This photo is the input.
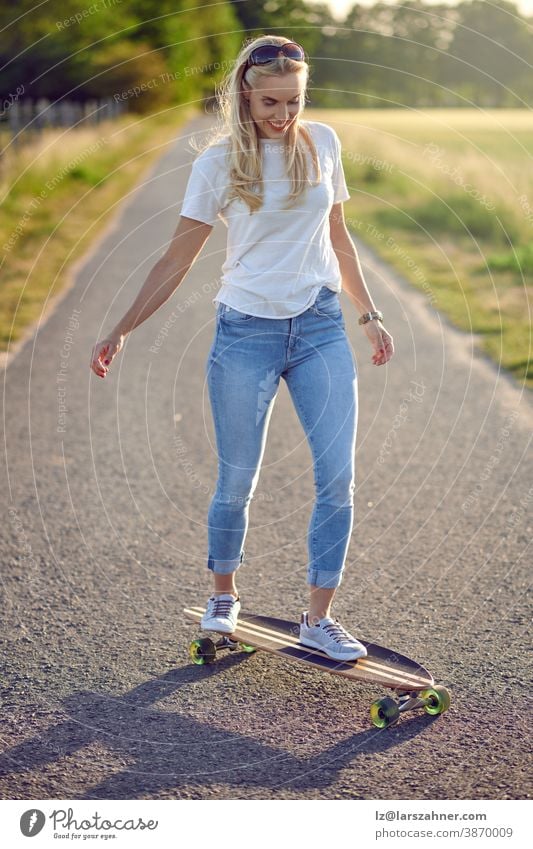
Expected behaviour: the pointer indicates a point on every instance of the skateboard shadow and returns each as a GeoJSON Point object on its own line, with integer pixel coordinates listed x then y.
{"type": "Point", "coordinates": [165, 751]}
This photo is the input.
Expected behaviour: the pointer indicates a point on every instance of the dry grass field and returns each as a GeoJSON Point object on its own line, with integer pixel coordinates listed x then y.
{"type": "Point", "coordinates": [446, 196]}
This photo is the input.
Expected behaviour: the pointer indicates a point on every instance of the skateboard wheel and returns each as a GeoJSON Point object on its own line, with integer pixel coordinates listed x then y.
{"type": "Point", "coordinates": [202, 651]}
{"type": "Point", "coordinates": [384, 712]}
{"type": "Point", "coordinates": [439, 699]}
{"type": "Point", "coordinates": [248, 649]}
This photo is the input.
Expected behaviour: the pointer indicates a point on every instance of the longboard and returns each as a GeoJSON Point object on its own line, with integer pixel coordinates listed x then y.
{"type": "Point", "coordinates": [413, 684]}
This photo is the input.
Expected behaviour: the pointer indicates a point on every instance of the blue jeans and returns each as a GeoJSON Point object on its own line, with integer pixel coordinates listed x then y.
{"type": "Point", "coordinates": [312, 353]}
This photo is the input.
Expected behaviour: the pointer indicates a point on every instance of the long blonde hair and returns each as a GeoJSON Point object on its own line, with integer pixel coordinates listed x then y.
{"type": "Point", "coordinates": [244, 157]}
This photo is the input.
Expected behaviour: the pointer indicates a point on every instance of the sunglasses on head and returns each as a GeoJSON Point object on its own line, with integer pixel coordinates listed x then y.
{"type": "Point", "coordinates": [268, 52]}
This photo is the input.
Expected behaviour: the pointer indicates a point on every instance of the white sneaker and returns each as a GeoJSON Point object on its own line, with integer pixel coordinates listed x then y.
{"type": "Point", "coordinates": [330, 637]}
{"type": "Point", "coordinates": [221, 614]}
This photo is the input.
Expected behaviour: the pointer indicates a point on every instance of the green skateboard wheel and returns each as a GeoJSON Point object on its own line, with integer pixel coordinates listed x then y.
{"type": "Point", "coordinates": [202, 651]}
{"type": "Point", "coordinates": [384, 712]}
{"type": "Point", "coordinates": [439, 699]}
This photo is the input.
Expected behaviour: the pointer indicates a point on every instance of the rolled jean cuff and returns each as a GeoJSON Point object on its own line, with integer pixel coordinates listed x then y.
{"type": "Point", "coordinates": [324, 579]}
{"type": "Point", "coordinates": [224, 567]}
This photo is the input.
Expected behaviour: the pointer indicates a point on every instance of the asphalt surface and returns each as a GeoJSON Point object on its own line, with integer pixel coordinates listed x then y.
{"type": "Point", "coordinates": [104, 541]}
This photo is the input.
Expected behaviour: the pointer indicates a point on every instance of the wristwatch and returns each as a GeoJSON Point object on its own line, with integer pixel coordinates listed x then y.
{"type": "Point", "coordinates": [369, 316]}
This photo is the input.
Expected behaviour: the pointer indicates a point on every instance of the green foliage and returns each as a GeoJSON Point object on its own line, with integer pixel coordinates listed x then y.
{"type": "Point", "coordinates": [519, 260]}
{"type": "Point", "coordinates": [383, 55]}
{"type": "Point", "coordinates": [89, 173]}
{"type": "Point", "coordinates": [491, 49]}
{"type": "Point", "coordinates": [170, 51]}
{"type": "Point", "coordinates": [114, 70]}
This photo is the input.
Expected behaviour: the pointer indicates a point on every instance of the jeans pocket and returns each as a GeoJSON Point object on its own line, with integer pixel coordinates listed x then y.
{"type": "Point", "coordinates": [234, 316]}
{"type": "Point", "coordinates": [327, 303]}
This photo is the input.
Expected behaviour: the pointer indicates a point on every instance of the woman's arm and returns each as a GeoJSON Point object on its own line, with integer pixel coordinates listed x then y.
{"type": "Point", "coordinates": [167, 273]}
{"type": "Point", "coordinates": [162, 281]}
{"type": "Point", "coordinates": [354, 284]}
{"type": "Point", "coordinates": [352, 275]}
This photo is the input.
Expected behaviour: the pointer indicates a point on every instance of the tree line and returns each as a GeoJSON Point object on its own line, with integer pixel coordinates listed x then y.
{"type": "Point", "coordinates": [149, 53]}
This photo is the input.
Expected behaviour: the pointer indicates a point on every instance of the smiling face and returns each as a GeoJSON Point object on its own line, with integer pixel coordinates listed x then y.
{"type": "Point", "coordinates": [275, 103]}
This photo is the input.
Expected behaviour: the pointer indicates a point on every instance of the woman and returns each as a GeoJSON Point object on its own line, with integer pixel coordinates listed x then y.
{"type": "Point", "coordinates": [277, 183]}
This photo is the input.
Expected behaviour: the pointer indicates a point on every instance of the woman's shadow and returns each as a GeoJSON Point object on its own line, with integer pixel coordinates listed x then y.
{"type": "Point", "coordinates": [172, 751]}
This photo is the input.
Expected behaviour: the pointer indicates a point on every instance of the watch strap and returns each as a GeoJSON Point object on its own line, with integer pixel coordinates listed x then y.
{"type": "Point", "coordinates": [371, 316]}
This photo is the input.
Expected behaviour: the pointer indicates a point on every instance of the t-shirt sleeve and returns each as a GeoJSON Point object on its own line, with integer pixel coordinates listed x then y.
{"type": "Point", "coordinates": [202, 197]}
{"type": "Point", "coordinates": [338, 179]}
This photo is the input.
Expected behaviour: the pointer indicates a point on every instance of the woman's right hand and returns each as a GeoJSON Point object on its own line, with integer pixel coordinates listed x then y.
{"type": "Point", "coordinates": [104, 353]}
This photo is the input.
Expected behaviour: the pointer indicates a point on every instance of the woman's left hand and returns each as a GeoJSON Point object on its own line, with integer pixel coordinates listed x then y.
{"type": "Point", "coordinates": [381, 342]}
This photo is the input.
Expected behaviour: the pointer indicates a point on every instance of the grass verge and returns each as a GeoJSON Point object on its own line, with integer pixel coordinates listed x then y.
{"type": "Point", "coordinates": [43, 222]}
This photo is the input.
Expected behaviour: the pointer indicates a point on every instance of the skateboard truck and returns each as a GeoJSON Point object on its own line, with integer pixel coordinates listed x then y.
{"type": "Point", "coordinates": [205, 649]}
{"type": "Point", "coordinates": [386, 711]}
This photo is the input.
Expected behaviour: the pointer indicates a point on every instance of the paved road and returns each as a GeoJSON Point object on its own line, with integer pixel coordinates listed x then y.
{"type": "Point", "coordinates": [104, 540]}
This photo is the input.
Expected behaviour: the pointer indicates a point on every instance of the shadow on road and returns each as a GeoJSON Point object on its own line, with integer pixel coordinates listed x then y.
{"type": "Point", "coordinates": [166, 751]}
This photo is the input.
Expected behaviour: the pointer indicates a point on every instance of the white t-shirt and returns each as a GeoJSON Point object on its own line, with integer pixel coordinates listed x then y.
{"type": "Point", "coordinates": [277, 259]}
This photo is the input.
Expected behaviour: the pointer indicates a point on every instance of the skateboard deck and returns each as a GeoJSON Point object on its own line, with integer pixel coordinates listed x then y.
{"type": "Point", "coordinates": [413, 683]}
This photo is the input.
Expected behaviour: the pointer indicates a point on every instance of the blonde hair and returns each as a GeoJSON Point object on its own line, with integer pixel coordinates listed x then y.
{"type": "Point", "coordinates": [244, 155]}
